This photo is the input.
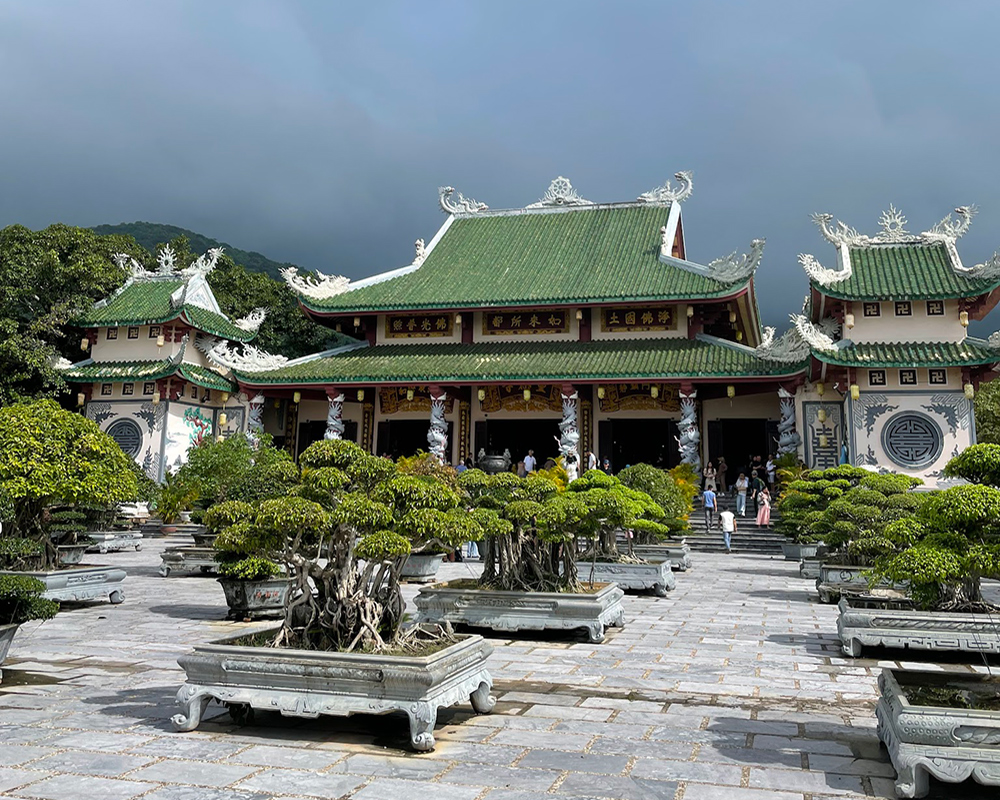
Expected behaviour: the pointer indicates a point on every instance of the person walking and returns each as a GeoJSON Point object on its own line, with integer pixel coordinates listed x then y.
{"type": "Point", "coordinates": [756, 484]}
{"type": "Point", "coordinates": [591, 460]}
{"type": "Point", "coordinates": [742, 484]}
{"type": "Point", "coordinates": [529, 462]}
{"type": "Point", "coordinates": [709, 475]}
{"type": "Point", "coordinates": [710, 503]}
{"type": "Point", "coordinates": [772, 472]}
{"type": "Point", "coordinates": [764, 512]}
{"type": "Point", "coordinates": [721, 474]}
{"type": "Point", "coordinates": [727, 521]}
{"type": "Point", "coordinates": [606, 466]}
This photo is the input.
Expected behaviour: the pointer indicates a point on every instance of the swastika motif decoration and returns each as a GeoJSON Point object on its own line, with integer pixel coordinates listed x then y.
{"type": "Point", "coordinates": [912, 439]}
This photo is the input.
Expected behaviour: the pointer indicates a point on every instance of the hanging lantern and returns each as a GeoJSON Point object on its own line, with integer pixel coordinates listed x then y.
{"type": "Point", "coordinates": [225, 397]}
{"type": "Point", "coordinates": [156, 398]}
{"type": "Point", "coordinates": [739, 336]}
{"type": "Point", "coordinates": [481, 394]}
{"type": "Point", "coordinates": [855, 392]}
{"type": "Point", "coordinates": [277, 404]}
{"type": "Point", "coordinates": [458, 319]}
{"type": "Point", "coordinates": [85, 344]}
{"type": "Point", "coordinates": [357, 322]}
{"type": "Point", "coordinates": [730, 391]}
{"type": "Point", "coordinates": [409, 394]}
{"type": "Point", "coordinates": [964, 319]}
{"type": "Point", "coordinates": [849, 320]}
{"type": "Point", "coordinates": [223, 419]}
{"type": "Point", "coordinates": [297, 398]}
{"type": "Point", "coordinates": [579, 313]}
{"type": "Point", "coordinates": [220, 438]}
{"type": "Point", "coordinates": [823, 441]}
{"type": "Point", "coordinates": [600, 392]}
{"type": "Point", "coordinates": [970, 391]}
{"type": "Point", "coordinates": [732, 316]}
{"type": "Point", "coordinates": [337, 327]}
{"type": "Point", "coordinates": [161, 340]}
{"type": "Point", "coordinates": [81, 398]}
{"type": "Point", "coordinates": [820, 388]}
{"type": "Point", "coordinates": [821, 415]}
{"type": "Point", "coordinates": [361, 395]}
{"type": "Point", "coordinates": [690, 311]}
{"type": "Point", "coordinates": [654, 392]}
{"type": "Point", "coordinates": [527, 395]}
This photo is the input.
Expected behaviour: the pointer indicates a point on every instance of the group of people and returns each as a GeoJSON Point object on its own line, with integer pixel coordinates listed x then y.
{"type": "Point", "coordinates": [758, 486]}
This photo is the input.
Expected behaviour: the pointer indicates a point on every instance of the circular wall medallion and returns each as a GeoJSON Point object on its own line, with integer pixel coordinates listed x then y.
{"type": "Point", "coordinates": [912, 439]}
{"type": "Point", "coordinates": [127, 435]}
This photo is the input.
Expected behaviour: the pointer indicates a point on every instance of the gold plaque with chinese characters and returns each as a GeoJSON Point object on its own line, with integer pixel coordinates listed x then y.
{"type": "Point", "coordinates": [411, 326]}
{"type": "Point", "coordinates": [539, 321]}
{"type": "Point", "coordinates": [638, 318]}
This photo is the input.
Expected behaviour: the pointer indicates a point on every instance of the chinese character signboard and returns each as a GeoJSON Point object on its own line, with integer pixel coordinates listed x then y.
{"type": "Point", "coordinates": [638, 318]}
{"type": "Point", "coordinates": [527, 321]}
{"type": "Point", "coordinates": [409, 326]}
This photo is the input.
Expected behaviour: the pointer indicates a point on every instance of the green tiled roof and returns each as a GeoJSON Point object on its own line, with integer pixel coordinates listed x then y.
{"type": "Point", "coordinates": [971, 352]}
{"type": "Point", "coordinates": [130, 371]}
{"type": "Point", "coordinates": [588, 255]}
{"type": "Point", "coordinates": [148, 303]}
{"type": "Point", "coordinates": [644, 359]}
{"type": "Point", "coordinates": [904, 272]}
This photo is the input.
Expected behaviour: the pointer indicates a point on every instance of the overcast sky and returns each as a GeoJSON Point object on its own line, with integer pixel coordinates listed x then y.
{"type": "Point", "coordinates": [318, 132]}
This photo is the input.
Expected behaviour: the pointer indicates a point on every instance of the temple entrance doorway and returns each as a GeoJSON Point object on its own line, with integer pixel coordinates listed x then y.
{"type": "Point", "coordinates": [518, 436]}
{"type": "Point", "coordinates": [638, 441]}
{"type": "Point", "coordinates": [404, 437]}
{"type": "Point", "coordinates": [739, 440]}
{"type": "Point", "coordinates": [315, 430]}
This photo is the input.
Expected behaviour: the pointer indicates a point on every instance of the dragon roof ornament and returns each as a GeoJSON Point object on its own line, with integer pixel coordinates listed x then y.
{"type": "Point", "coordinates": [251, 359]}
{"type": "Point", "coordinates": [128, 264]}
{"type": "Point", "coordinates": [316, 287]}
{"type": "Point", "coordinates": [460, 204]}
{"type": "Point", "coordinates": [789, 348]}
{"type": "Point", "coordinates": [818, 337]}
{"type": "Point", "coordinates": [560, 193]}
{"type": "Point", "coordinates": [893, 225]}
{"type": "Point", "coordinates": [420, 254]}
{"type": "Point", "coordinates": [733, 268]}
{"type": "Point", "coordinates": [820, 274]}
{"type": "Point", "coordinates": [202, 265]}
{"type": "Point", "coordinates": [665, 194]}
{"type": "Point", "coordinates": [251, 322]}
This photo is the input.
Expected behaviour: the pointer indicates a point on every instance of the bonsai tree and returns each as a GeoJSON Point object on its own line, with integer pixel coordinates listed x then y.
{"type": "Point", "coordinates": [242, 551]}
{"type": "Point", "coordinates": [233, 468]}
{"type": "Point", "coordinates": [175, 496]}
{"type": "Point", "coordinates": [954, 540]}
{"type": "Point", "coordinates": [673, 498]}
{"type": "Point", "coordinates": [49, 457]}
{"type": "Point", "coordinates": [803, 502]}
{"type": "Point", "coordinates": [21, 600]}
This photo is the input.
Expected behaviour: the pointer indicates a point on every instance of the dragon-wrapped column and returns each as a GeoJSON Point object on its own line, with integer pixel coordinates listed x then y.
{"type": "Point", "coordinates": [437, 435]}
{"type": "Point", "coordinates": [569, 432]}
{"type": "Point", "coordinates": [335, 414]}
{"type": "Point", "coordinates": [689, 441]}
{"type": "Point", "coordinates": [788, 438]}
{"type": "Point", "coordinates": [255, 422]}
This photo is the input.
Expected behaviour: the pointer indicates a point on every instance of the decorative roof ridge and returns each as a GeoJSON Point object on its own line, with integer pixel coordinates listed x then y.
{"type": "Point", "coordinates": [893, 225]}
{"type": "Point", "coordinates": [789, 347]}
{"type": "Point", "coordinates": [346, 348]}
{"type": "Point", "coordinates": [819, 337]}
{"type": "Point", "coordinates": [251, 359]}
{"type": "Point", "coordinates": [707, 338]}
{"type": "Point", "coordinates": [727, 269]}
{"type": "Point", "coordinates": [533, 209]}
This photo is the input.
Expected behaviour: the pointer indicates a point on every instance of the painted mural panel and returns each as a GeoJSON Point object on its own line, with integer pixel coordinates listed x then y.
{"type": "Point", "coordinates": [187, 427]}
{"type": "Point", "coordinates": [138, 428]}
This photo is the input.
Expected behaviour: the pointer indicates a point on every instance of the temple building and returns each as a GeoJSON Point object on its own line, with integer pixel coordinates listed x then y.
{"type": "Point", "coordinates": [571, 325]}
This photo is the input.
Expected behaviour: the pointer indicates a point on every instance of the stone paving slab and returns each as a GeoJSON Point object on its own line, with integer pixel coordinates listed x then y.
{"type": "Point", "coordinates": [731, 688]}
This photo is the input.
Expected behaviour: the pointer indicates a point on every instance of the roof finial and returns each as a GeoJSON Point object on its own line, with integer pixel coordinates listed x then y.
{"type": "Point", "coordinates": [560, 193]}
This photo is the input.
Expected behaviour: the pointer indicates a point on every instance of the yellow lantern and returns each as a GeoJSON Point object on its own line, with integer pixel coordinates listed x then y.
{"type": "Point", "coordinates": [85, 344]}
{"type": "Point", "coordinates": [821, 415]}
{"type": "Point", "coordinates": [600, 392]}
{"type": "Point", "coordinates": [357, 322]}
{"type": "Point", "coordinates": [579, 313]}
{"type": "Point", "coordinates": [409, 394]}
{"type": "Point", "coordinates": [964, 319]}
{"type": "Point", "coordinates": [297, 398]}
{"type": "Point", "coordinates": [820, 389]}
{"type": "Point", "coordinates": [225, 397]}
{"type": "Point", "coordinates": [690, 311]}
{"type": "Point", "coordinates": [739, 336]}
{"type": "Point", "coordinates": [970, 391]}
{"type": "Point", "coordinates": [527, 395]}
{"type": "Point", "coordinates": [277, 403]}
{"type": "Point", "coordinates": [823, 441]}
{"type": "Point", "coordinates": [732, 316]}
{"type": "Point", "coordinates": [161, 340]}
{"type": "Point", "coordinates": [337, 327]}
{"type": "Point", "coordinates": [654, 392]}
{"type": "Point", "coordinates": [855, 392]}
{"type": "Point", "coordinates": [223, 419]}
{"type": "Point", "coordinates": [481, 394]}
{"type": "Point", "coordinates": [156, 398]}
{"type": "Point", "coordinates": [849, 320]}
{"type": "Point", "coordinates": [361, 395]}
{"type": "Point", "coordinates": [81, 398]}
{"type": "Point", "coordinates": [730, 391]}
{"type": "Point", "coordinates": [458, 319]}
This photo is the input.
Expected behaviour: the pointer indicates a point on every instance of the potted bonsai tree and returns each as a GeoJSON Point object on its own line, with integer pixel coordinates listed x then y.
{"type": "Point", "coordinates": [65, 526]}
{"type": "Point", "coordinates": [176, 496]}
{"type": "Point", "coordinates": [530, 579]}
{"type": "Point", "coordinates": [52, 458]}
{"type": "Point", "coordinates": [342, 535]}
{"type": "Point", "coordinates": [20, 601]}
{"type": "Point", "coordinates": [650, 541]}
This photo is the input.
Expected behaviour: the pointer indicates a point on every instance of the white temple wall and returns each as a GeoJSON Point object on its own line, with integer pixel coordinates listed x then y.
{"type": "Point", "coordinates": [142, 348]}
{"type": "Point", "coordinates": [919, 327]}
{"type": "Point", "coordinates": [137, 426]}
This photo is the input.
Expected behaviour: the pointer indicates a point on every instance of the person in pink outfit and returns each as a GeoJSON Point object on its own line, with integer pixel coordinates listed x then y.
{"type": "Point", "coordinates": [764, 508]}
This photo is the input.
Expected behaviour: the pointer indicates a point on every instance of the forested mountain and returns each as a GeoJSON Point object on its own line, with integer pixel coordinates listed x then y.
{"type": "Point", "coordinates": [150, 234]}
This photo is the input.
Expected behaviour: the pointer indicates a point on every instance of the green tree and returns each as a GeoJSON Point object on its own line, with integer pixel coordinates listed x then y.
{"type": "Point", "coordinates": [987, 407]}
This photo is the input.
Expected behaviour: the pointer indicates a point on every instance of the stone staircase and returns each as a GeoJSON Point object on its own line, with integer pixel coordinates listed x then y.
{"type": "Point", "coordinates": [748, 537]}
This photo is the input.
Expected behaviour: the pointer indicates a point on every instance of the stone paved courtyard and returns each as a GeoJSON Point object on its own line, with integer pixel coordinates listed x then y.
{"type": "Point", "coordinates": [731, 688]}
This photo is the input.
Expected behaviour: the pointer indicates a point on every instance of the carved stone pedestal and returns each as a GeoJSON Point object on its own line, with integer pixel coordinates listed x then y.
{"type": "Point", "coordinates": [654, 576]}
{"type": "Point", "coordinates": [421, 568]}
{"type": "Point", "coordinates": [114, 541]}
{"type": "Point", "coordinates": [6, 637]}
{"type": "Point", "coordinates": [309, 683]}
{"type": "Point", "coordinates": [80, 584]}
{"type": "Point", "coordinates": [678, 554]}
{"type": "Point", "coordinates": [187, 559]}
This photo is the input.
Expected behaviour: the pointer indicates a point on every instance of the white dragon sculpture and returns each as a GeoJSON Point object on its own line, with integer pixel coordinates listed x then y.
{"type": "Point", "coordinates": [334, 417]}
{"type": "Point", "coordinates": [666, 193]}
{"type": "Point", "coordinates": [569, 436]}
{"type": "Point", "coordinates": [252, 321]}
{"type": "Point", "coordinates": [316, 287]}
{"type": "Point", "coordinates": [252, 359]}
{"type": "Point", "coordinates": [788, 439]}
{"type": "Point", "coordinates": [461, 204]}
{"type": "Point", "coordinates": [437, 435]}
{"type": "Point", "coordinates": [731, 268]}
{"type": "Point", "coordinates": [789, 348]}
{"type": "Point", "coordinates": [689, 441]}
{"type": "Point", "coordinates": [202, 265]}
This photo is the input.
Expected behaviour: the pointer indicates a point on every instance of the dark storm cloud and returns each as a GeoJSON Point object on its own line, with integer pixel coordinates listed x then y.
{"type": "Point", "coordinates": [318, 132]}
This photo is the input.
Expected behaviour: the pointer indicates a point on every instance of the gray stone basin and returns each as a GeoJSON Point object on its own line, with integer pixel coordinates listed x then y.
{"type": "Point", "coordinates": [309, 683]}
{"type": "Point", "coordinates": [810, 567]}
{"type": "Point", "coordinates": [515, 611]}
{"type": "Point", "coordinates": [952, 744]}
{"type": "Point", "coordinates": [114, 541]}
{"type": "Point", "coordinates": [6, 637]}
{"type": "Point", "coordinates": [71, 554]}
{"type": "Point", "coordinates": [256, 599]}
{"type": "Point", "coordinates": [421, 567]}
{"type": "Point", "coordinates": [796, 552]}
{"type": "Point", "coordinates": [838, 579]}
{"type": "Point", "coordinates": [79, 584]}
{"type": "Point", "coordinates": [678, 554]}
{"type": "Point", "coordinates": [654, 576]}
{"type": "Point", "coordinates": [187, 559]}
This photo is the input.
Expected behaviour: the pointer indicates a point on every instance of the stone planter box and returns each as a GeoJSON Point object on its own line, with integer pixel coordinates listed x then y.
{"type": "Point", "coordinates": [810, 568]}
{"type": "Point", "coordinates": [796, 552]}
{"type": "Point", "coordinates": [187, 559]}
{"type": "Point", "coordinates": [70, 554]}
{"type": "Point", "coordinates": [515, 611]}
{"type": "Point", "coordinates": [79, 584]}
{"type": "Point", "coordinates": [203, 539]}
{"type": "Point", "coordinates": [421, 568]}
{"type": "Point", "coordinates": [6, 637]}
{"type": "Point", "coordinates": [256, 599]}
{"type": "Point", "coordinates": [952, 744]}
{"type": "Point", "coordinates": [114, 541]}
{"type": "Point", "coordinates": [916, 630]}
{"type": "Point", "coordinates": [837, 579]}
{"type": "Point", "coordinates": [654, 576]}
{"type": "Point", "coordinates": [308, 683]}
{"type": "Point", "coordinates": [678, 554]}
